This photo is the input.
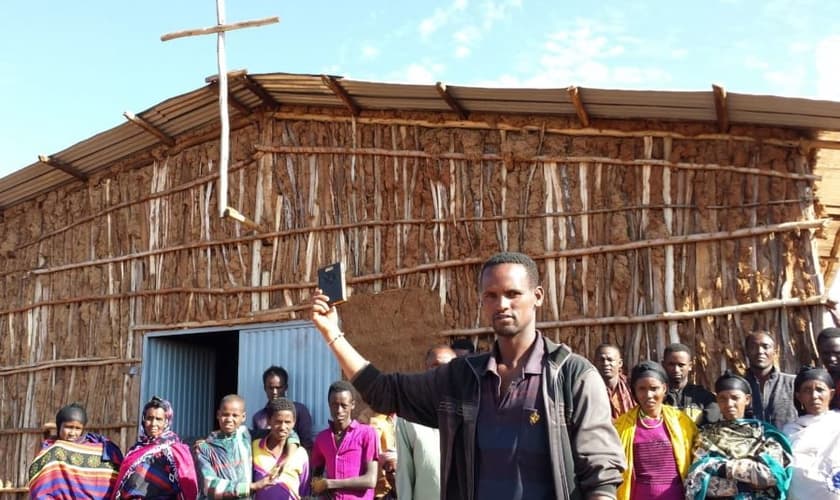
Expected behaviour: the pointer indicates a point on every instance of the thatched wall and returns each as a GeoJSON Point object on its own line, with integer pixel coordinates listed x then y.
{"type": "Point", "coordinates": [628, 224]}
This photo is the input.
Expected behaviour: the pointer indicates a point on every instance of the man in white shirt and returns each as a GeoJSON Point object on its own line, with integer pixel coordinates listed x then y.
{"type": "Point", "coordinates": [418, 447]}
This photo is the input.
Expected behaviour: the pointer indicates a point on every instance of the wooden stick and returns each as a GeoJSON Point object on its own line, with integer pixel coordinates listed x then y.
{"type": "Point", "coordinates": [128, 204]}
{"type": "Point", "coordinates": [150, 128]}
{"type": "Point", "coordinates": [720, 235]}
{"type": "Point", "coordinates": [334, 150]}
{"type": "Point", "coordinates": [268, 316]}
{"type": "Point", "coordinates": [653, 318]}
{"type": "Point", "coordinates": [63, 166]}
{"type": "Point", "coordinates": [595, 132]}
{"type": "Point", "coordinates": [219, 28]}
{"type": "Point", "coordinates": [561, 254]}
{"type": "Point", "coordinates": [62, 363]}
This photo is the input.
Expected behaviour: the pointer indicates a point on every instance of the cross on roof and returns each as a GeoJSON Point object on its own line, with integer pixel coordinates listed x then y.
{"type": "Point", "coordinates": [224, 149]}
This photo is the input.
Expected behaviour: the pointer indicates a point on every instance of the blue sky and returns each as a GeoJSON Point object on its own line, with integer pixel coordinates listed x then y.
{"type": "Point", "coordinates": [69, 69]}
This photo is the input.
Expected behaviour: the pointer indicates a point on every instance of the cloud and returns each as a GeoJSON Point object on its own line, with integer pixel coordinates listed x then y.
{"type": "Point", "coordinates": [440, 17]}
{"type": "Point", "coordinates": [369, 52]}
{"type": "Point", "coordinates": [423, 72]}
{"type": "Point", "coordinates": [828, 70]}
{"type": "Point", "coordinates": [588, 55]}
{"type": "Point", "coordinates": [465, 39]}
{"type": "Point", "coordinates": [493, 11]}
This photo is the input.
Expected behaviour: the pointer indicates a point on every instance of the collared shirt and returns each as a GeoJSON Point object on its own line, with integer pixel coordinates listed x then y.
{"type": "Point", "coordinates": [774, 404]}
{"type": "Point", "coordinates": [621, 398]}
{"type": "Point", "coordinates": [224, 462]}
{"type": "Point", "coordinates": [514, 460]}
{"type": "Point", "coordinates": [303, 424]}
{"type": "Point", "coordinates": [418, 461]}
{"type": "Point", "coordinates": [349, 459]}
{"type": "Point", "coordinates": [291, 483]}
{"type": "Point", "coordinates": [696, 402]}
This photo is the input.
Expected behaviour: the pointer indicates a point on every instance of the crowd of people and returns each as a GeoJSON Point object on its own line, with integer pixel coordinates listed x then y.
{"type": "Point", "coordinates": [528, 419]}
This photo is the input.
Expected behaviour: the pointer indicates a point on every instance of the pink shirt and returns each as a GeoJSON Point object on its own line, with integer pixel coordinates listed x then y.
{"type": "Point", "coordinates": [358, 447]}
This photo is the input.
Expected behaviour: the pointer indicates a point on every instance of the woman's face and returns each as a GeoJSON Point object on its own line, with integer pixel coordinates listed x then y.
{"type": "Point", "coordinates": [71, 430]}
{"type": "Point", "coordinates": [650, 392]}
{"type": "Point", "coordinates": [733, 403]}
{"type": "Point", "coordinates": [154, 422]}
{"type": "Point", "coordinates": [814, 396]}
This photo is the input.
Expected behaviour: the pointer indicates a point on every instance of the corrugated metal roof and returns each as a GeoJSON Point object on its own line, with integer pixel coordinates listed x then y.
{"type": "Point", "coordinates": [186, 112]}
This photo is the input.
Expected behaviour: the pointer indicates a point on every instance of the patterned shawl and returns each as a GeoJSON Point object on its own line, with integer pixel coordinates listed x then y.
{"type": "Point", "coordinates": [741, 459]}
{"type": "Point", "coordinates": [86, 468]}
{"type": "Point", "coordinates": [159, 467]}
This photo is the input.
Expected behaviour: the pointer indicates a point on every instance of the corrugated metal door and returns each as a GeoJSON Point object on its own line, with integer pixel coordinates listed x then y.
{"type": "Point", "coordinates": [298, 347]}
{"type": "Point", "coordinates": [182, 373]}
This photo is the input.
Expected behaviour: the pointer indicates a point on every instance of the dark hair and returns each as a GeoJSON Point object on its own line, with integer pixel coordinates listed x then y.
{"type": "Point", "coordinates": [231, 398]}
{"type": "Point", "coordinates": [281, 404]}
{"type": "Point", "coordinates": [754, 335]}
{"type": "Point", "coordinates": [606, 345]}
{"type": "Point", "coordinates": [807, 373]}
{"type": "Point", "coordinates": [341, 386]}
{"type": "Point", "coordinates": [74, 412]}
{"type": "Point", "coordinates": [676, 347]}
{"type": "Point", "coordinates": [162, 404]}
{"type": "Point", "coordinates": [828, 334]}
{"type": "Point", "coordinates": [731, 381]}
{"type": "Point", "coordinates": [647, 369]}
{"type": "Point", "coordinates": [276, 371]}
{"type": "Point", "coordinates": [513, 258]}
{"type": "Point", "coordinates": [465, 344]}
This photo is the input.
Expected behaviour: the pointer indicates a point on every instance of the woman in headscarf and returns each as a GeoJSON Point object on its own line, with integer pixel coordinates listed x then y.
{"type": "Point", "coordinates": [656, 438]}
{"type": "Point", "coordinates": [737, 457]}
{"type": "Point", "coordinates": [815, 438]}
{"type": "Point", "coordinates": [159, 465]}
{"type": "Point", "coordinates": [76, 464]}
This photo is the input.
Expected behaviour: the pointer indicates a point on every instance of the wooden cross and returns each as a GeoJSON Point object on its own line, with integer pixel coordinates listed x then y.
{"type": "Point", "coordinates": [224, 148]}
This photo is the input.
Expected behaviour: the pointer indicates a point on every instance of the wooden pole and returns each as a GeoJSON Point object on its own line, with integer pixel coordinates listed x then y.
{"type": "Point", "coordinates": [224, 147]}
{"type": "Point", "coordinates": [221, 28]}
{"type": "Point", "coordinates": [661, 317]}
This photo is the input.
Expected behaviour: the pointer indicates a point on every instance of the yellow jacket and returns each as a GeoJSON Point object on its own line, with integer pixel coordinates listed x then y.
{"type": "Point", "coordinates": [680, 428]}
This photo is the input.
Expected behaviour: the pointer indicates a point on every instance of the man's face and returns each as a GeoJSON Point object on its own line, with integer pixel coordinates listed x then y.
{"type": "Point", "coordinates": [830, 356]}
{"type": "Point", "coordinates": [341, 407]}
{"type": "Point", "coordinates": [230, 416]}
{"type": "Point", "coordinates": [439, 357]}
{"type": "Point", "coordinates": [275, 387]}
{"type": "Point", "coordinates": [678, 366]}
{"type": "Point", "coordinates": [281, 424]}
{"type": "Point", "coordinates": [733, 403]}
{"type": "Point", "coordinates": [608, 362]}
{"type": "Point", "coordinates": [761, 351]}
{"type": "Point", "coordinates": [508, 300]}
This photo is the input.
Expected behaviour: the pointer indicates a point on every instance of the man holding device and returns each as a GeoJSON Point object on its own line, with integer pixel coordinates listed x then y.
{"type": "Point", "coordinates": [528, 420]}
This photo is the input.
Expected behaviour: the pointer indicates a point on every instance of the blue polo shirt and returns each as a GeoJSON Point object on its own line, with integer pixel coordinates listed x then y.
{"type": "Point", "coordinates": [514, 460]}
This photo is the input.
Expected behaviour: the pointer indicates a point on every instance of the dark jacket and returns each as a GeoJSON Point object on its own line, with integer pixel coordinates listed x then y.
{"type": "Point", "coordinates": [775, 403]}
{"type": "Point", "coordinates": [696, 402]}
{"type": "Point", "coordinates": [586, 454]}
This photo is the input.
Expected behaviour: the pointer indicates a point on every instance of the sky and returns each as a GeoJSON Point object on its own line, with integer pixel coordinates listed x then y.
{"type": "Point", "coordinates": [68, 70]}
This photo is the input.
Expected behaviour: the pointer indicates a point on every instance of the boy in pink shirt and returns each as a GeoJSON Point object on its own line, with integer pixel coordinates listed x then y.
{"type": "Point", "coordinates": [346, 452]}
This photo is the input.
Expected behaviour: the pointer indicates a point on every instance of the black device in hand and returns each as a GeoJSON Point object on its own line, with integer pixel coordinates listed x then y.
{"type": "Point", "coordinates": [332, 282]}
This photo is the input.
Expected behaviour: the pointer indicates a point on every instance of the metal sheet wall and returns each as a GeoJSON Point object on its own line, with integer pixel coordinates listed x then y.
{"type": "Point", "coordinates": [183, 374]}
{"type": "Point", "coordinates": [296, 346]}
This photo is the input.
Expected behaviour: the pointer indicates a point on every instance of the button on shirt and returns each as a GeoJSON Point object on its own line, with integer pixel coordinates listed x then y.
{"type": "Point", "coordinates": [349, 459]}
{"type": "Point", "coordinates": [512, 439]}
